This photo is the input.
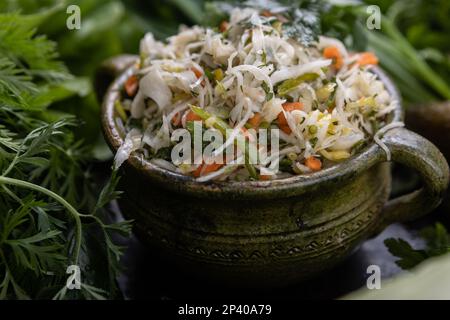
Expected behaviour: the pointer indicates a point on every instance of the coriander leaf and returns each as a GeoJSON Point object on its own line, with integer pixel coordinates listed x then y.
{"type": "Point", "coordinates": [437, 243]}
{"type": "Point", "coordinates": [409, 257]}
{"type": "Point", "coordinates": [303, 16]}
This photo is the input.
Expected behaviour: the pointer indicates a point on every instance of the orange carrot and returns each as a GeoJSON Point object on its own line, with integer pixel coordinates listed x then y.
{"type": "Point", "coordinates": [313, 163]}
{"type": "Point", "coordinates": [288, 107]}
{"type": "Point", "coordinates": [255, 121]}
{"type": "Point", "coordinates": [286, 129]}
{"type": "Point", "coordinates": [264, 177]}
{"type": "Point", "coordinates": [191, 116]}
{"type": "Point", "coordinates": [197, 72]}
{"type": "Point", "coordinates": [291, 106]}
{"type": "Point", "coordinates": [131, 86]}
{"type": "Point", "coordinates": [266, 13]}
{"type": "Point", "coordinates": [197, 171]}
{"type": "Point", "coordinates": [247, 134]}
{"type": "Point", "coordinates": [333, 53]}
{"type": "Point", "coordinates": [224, 26]}
{"type": "Point", "coordinates": [367, 58]}
{"type": "Point", "coordinates": [205, 169]}
{"type": "Point", "coordinates": [176, 120]}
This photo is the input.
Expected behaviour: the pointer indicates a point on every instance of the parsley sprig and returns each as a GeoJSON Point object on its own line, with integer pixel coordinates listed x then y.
{"type": "Point", "coordinates": [437, 243]}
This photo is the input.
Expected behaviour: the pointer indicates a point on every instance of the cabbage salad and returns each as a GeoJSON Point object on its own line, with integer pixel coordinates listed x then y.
{"type": "Point", "coordinates": [248, 74]}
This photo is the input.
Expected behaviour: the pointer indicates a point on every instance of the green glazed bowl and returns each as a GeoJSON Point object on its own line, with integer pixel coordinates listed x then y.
{"type": "Point", "coordinates": [270, 233]}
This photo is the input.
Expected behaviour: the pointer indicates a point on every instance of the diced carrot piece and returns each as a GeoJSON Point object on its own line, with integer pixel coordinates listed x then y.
{"type": "Point", "coordinates": [131, 86]}
{"type": "Point", "coordinates": [367, 58]}
{"type": "Point", "coordinates": [286, 129]}
{"type": "Point", "coordinates": [205, 169]}
{"type": "Point", "coordinates": [313, 163]}
{"type": "Point", "coordinates": [333, 53]}
{"type": "Point", "coordinates": [255, 121]}
{"type": "Point", "coordinates": [291, 106]}
{"type": "Point", "coordinates": [224, 26]}
{"type": "Point", "coordinates": [176, 120]}
{"type": "Point", "coordinates": [197, 171]}
{"type": "Point", "coordinates": [339, 63]}
{"type": "Point", "coordinates": [266, 13]}
{"type": "Point", "coordinates": [197, 72]}
{"type": "Point", "coordinates": [264, 177]}
{"type": "Point", "coordinates": [191, 116]}
{"type": "Point", "coordinates": [211, 167]}
{"type": "Point", "coordinates": [288, 107]}
{"type": "Point", "coordinates": [247, 134]}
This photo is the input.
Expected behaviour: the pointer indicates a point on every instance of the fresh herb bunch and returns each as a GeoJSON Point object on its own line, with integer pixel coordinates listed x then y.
{"type": "Point", "coordinates": [51, 215]}
{"type": "Point", "coordinates": [301, 17]}
{"type": "Point", "coordinates": [437, 243]}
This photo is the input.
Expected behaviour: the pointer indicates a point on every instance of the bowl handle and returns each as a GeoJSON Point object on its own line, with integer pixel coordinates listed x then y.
{"type": "Point", "coordinates": [414, 151]}
{"type": "Point", "coordinates": [109, 70]}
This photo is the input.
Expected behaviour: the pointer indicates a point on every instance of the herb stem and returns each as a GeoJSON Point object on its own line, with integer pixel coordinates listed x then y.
{"type": "Point", "coordinates": [75, 214]}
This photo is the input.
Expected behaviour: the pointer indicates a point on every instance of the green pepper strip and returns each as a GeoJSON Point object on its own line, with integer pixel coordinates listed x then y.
{"type": "Point", "coordinates": [290, 84]}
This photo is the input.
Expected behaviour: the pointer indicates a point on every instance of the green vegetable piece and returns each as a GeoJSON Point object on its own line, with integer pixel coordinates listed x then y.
{"type": "Point", "coordinates": [120, 110]}
{"type": "Point", "coordinates": [312, 129]}
{"type": "Point", "coordinates": [264, 125]}
{"type": "Point", "coordinates": [209, 74]}
{"type": "Point", "coordinates": [269, 94]}
{"type": "Point", "coordinates": [219, 124]}
{"type": "Point", "coordinates": [313, 141]}
{"type": "Point", "coordinates": [250, 168]}
{"type": "Point", "coordinates": [218, 74]}
{"type": "Point", "coordinates": [288, 85]}
{"type": "Point", "coordinates": [286, 165]}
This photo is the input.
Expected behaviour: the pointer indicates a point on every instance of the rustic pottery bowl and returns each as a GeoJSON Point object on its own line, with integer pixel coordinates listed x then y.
{"type": "Point", "coordinates": [270, 233]}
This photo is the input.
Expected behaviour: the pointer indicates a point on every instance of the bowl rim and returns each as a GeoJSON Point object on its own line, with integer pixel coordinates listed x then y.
{"type": "Point", "coordinates": [291, 186]}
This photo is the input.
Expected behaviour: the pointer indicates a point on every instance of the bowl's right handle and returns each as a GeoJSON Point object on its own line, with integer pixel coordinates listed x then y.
{"type": "Point", "coordinates": [109, 70]}
{"type": "Point", "coordinates": [414, 151]}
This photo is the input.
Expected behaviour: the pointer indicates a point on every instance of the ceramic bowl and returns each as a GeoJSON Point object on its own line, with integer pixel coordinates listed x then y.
{"type": "Point", "coordinates": [270, 233]}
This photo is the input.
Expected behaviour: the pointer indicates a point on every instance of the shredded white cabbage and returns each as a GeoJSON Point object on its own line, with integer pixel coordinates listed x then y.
{"type": "Point", "coordinates": [381, 132]}
{"type": "Point", "coordinates": [325, 100]}
{"type": "Point", "coordinates": [131, 143]}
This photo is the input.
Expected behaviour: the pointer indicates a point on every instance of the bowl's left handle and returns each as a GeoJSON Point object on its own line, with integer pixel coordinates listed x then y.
{"type": "Point", "coordinates": [109, 70]}
{"type": "Point", "coordinates": [414, 151]}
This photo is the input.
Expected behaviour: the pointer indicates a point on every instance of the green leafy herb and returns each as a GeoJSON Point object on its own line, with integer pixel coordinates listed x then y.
{"type": "Point", "coordinates": [303, 16]}
{"type": "Point", "coordinates": [49, 203]}
{"type": "Point", "coordinates": [437, 243]}
{"type": "Point", "coordinates": [269, 94]}
{"type": "Point", "coordinates": [304, 21]}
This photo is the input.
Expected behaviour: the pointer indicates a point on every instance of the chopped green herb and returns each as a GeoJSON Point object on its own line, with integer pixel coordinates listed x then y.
{"type": "Point", "coordinates": [209, 74]}
{"type": "Point", "coordinates": [269, 94]}
{"type": "Point", "coordinates": [314, 141]}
